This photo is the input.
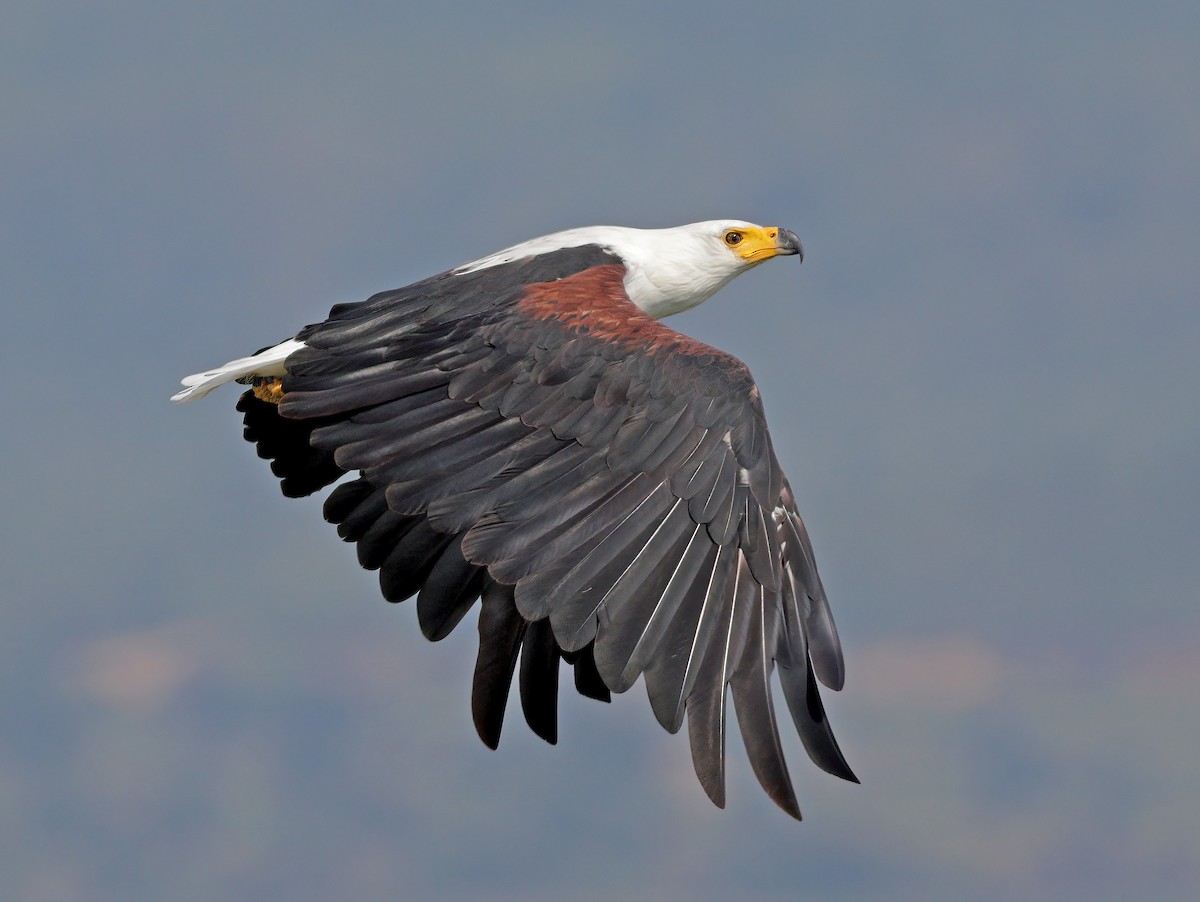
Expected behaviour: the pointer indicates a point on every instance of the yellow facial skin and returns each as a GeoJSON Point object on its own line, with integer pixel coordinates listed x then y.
{"type": "Point", "coordinates": [757, 243]}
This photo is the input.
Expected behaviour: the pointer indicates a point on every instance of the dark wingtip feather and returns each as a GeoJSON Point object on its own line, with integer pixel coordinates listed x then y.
{"type": "Point", "coordinates": [449, 591]}
{"type": "Point", "coordinates": [415, 553]}
{"type": "Point", "coordinates": [751, 693]}
{"type": "Point", "coordinates": [538, 681]}
{"type": "Point", "coordinates": [804, 701]}
{"type": "Point", "coordinates": [588, 681]}
{"type": "Point", "coordinates": [301, 468]}
{"type": "Point", "coordinates": [706, 733]}
{"type": "Point", "coordinates": [501, 630]}
{"type": "Point", "coordinates": [824, 646]}
{"type": "Point", "coordinates": [344, 499]}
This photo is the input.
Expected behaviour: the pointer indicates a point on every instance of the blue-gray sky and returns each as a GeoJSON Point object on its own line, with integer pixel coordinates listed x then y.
{"type": "Point", "coordinates": [982, 383]}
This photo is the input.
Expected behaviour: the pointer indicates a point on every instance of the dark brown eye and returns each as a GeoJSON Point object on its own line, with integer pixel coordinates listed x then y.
{"type": "Point", "coordinates": [732, 238]}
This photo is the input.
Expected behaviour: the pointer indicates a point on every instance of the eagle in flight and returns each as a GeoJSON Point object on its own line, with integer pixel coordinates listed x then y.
{"type": "Point", "coordinates": [527, 433]}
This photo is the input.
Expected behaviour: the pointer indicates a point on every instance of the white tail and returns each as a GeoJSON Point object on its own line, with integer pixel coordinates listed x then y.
{"type": "Point", "coordinates": [268, 362]}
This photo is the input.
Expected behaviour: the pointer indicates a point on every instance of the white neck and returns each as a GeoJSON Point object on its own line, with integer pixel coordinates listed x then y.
{"type": "Point", "coordinates": [667, 270]}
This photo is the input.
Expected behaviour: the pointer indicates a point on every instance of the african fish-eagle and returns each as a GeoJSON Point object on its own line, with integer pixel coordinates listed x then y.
{"type": "Point", "coordinates": [526, 432]}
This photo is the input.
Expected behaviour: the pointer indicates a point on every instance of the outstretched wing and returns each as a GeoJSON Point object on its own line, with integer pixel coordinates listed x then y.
{"type": "Point", "coordinates": [526, 435]}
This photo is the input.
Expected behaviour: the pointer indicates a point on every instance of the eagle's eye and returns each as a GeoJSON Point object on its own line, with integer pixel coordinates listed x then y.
{"type": "Point", "coordinates": [733, 237]}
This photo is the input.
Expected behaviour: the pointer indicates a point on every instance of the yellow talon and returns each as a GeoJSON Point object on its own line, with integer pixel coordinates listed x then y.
{"type": "Point", "coordinates": [269, 390]}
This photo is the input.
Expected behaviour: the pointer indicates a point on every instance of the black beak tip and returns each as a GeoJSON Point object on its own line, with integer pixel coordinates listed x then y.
{"type": "Point", "coordinates": [790, 244]}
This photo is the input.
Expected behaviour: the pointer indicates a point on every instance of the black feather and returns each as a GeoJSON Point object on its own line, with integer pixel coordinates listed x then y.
{"type": "Point", "coordinates": [760, 544]}
{"type": "Point", "coordinates": [539, 680]}
{"type": "Point", "coordinates": [672, 673]}
{"type": "Point", "coordinates": [632, 639]}
{"type": "Point", "coordinates": [751, 691]}
{"type": "Point", "coordinates": [409, 442]}
{"type": "Point", "coordinates": [587, 678]}
{"type": "Point", "coordinates": [448, 592]}
{"type": "Point", "coordinates": [484, 439]}
{"type": "Point", "coordinates": [501, 630]}
{"type": "Point", "coordinates": [384, 532]}
{"type": "Point", "coordinates": [684, 481]}
{"type": "Point", "coordinates": [675, 446]}
{"type": "Point", "coordinates": [344, 501]}
{"type": "Point", "coordinates": [301, 468]}
{"type": "Point", "coordinates": [579, 595]}
{"type": "Point", "coordinates": [706, 714]}
{"type": "Point", "coordinates": [599, 505]}
{"type": "Point", "coordinates": [707, 705]}
{"type": "Point", "coordinates": [721, 494]}
{"type": "Point", "coordinates": [390, 421]}
{"type": "Point", "coordinates": [804, 702]}
{"type": "Point", "coordinates": [411, 560]}
{"type": "Point", "coordinates": [457, 502]}
{"type": "Point", "coordinates": [723, 526]}
{"type": "Point", "coordinates": [825, 648]}
{"type": "Point", "coordinates": [517, 529]}
{"type": "Point", "coordinates": [703, 483]}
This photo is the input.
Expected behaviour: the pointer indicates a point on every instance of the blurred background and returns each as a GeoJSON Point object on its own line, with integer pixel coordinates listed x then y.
{"type": "Point", "coordinates": [982, 383]}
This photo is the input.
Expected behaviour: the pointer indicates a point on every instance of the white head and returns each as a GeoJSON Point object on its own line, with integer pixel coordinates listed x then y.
{"type": "Point", "coordinates": [669, 270]}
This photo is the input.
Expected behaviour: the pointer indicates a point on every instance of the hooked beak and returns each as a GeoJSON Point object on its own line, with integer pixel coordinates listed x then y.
{"type": "Point", "coordinates": [786, 243]}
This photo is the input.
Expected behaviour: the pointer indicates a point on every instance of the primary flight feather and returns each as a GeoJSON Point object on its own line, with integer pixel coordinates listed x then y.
{"type": "Point", "coordinates": [526, 433]}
